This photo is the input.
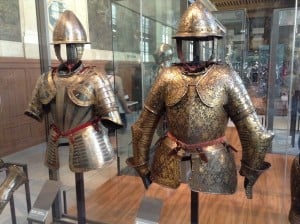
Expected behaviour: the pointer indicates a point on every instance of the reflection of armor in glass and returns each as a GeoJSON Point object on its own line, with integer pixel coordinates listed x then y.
{"type": "Point", "coordinates": [14, 179]}
{"type": "Point", "coordinates": [163, 57]}
{"type": "Point", "coordinates": [79, 99]}
{"type": "Point", "coordinates": [198, 100]}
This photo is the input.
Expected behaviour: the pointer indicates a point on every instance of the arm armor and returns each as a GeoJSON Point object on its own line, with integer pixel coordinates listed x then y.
{"type": "Point", "coordinates": [42, 94]}
{"type": "Point", "coordinates": [14, 179]}
{"type": "Point", "coordinates": [142, 134]}
{"type": "Point", "coordinates": [255, 140]}
{"type": "Point", "coordinates": [255, 143]}
{"type": "Point", "coordinates": [106, 105]}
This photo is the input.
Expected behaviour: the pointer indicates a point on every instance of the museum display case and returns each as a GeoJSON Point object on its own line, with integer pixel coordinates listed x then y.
{"type": "Point", "coordinates": [262, 46]}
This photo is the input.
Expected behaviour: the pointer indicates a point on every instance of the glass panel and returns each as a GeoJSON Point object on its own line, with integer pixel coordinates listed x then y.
{"type": "Point", "coordinates": [19, 55]}
{"type": "Point", "coordinates": [140, 27]}
{"type": "Point", "coordinates": [284, 73]}
{"type": "Point", "coordinates": [235, 49]}
{"type": "Point", "coordinates": [126, 23]}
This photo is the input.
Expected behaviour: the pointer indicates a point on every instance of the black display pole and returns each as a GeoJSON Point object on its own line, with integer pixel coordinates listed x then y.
{"type": "Point", "coordinates": [194, 207]}
{"type": "Point", "coordinates": [79, 181]}
{"type": "Point", "coordinates": [56, 206]}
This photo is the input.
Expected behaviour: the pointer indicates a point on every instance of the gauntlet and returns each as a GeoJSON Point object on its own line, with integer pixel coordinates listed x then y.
{"type": "Point", "coordinates": [255, 143]}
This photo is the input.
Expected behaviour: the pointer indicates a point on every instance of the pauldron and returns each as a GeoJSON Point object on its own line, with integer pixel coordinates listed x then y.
{"type": "Point", "coordinates": [173, 86]}
{"type": "Point", "coordinates": [81, 89]}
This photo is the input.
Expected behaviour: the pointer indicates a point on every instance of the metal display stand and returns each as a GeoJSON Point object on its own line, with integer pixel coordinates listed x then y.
{"type": "Point", "coordinates": [45, 199]}
{"type": "Point", "coordinates": [149, 211]}
{"type": "Point", "coordinates": [59, 213]}
{"type": "Point", "coordinates": [27, 192]}
{"type": "Point", "coordinates": [194, 207]}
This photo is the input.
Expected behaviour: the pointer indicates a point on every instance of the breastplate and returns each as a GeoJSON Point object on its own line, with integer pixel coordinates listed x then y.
{"type": "Point", "coordinates": [65, 113]}
{"type": "Point", "coordinates": [191, 119]}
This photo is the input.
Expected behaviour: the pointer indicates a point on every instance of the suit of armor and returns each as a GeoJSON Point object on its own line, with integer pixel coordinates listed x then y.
{"type": "Point", "coordinates": [79, 100]}
{"type": "Point", "coordinates": [198, 100]}
{"type": "Point", "coordinates": [77, 103]}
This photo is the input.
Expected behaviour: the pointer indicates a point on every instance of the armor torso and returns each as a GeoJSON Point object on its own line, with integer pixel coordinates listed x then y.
{"type": "Point", "coordinates": [190, 101]}
{"type": "Point", "coordinates": [74, 100]}
{"type": "Point", "coordinates": [194, 106]}
{"type": "Point", "coordinates": [78, 102]}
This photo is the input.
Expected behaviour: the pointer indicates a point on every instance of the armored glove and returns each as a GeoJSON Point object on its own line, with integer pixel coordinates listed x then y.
{"type": "Point", "coordinates": [251, 175]}
{"type": "Point", "coordinates": [255, 147]}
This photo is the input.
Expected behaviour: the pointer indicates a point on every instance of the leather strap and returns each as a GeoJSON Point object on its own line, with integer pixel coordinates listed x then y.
{"type": "Point", "coordinates": [198, 147]}
{"type": "Point", "coordinates": [69, 132]}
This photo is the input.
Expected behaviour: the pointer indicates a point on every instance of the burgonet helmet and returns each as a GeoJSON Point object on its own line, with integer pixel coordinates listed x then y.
{"type": "Point", "coordinates": [198, 24]}
{"type": "Point", "coordinates": [69, 30]}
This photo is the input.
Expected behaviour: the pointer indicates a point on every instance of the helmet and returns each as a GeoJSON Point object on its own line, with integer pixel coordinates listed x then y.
{"type": "Point", "coordinates": [163, 54]}
{"type": "Point", "coordinates": [69, 29]}
{"type": "Point", "coordinates": [198, 23]}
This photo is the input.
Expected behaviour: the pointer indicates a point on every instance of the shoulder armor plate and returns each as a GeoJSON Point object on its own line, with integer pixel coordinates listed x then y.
{"type": "Point", "coordinates": [211, 87]}
{"type": "Point", "coordinates": [177, 87]}
{"type": "Point", "coordinates": [46, 88]}
{"type": "Point", "coordinates": [82, 91]}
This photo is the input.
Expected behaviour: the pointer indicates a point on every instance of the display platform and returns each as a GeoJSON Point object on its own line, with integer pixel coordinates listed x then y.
{"type": "Point", "coordinates": [118, 200]}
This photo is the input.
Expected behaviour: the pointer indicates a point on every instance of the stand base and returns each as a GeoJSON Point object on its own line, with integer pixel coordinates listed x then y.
{"type": "Point", "coordinates": [43, 203]}
{"type": "Point", "coordinates": [149, 211]}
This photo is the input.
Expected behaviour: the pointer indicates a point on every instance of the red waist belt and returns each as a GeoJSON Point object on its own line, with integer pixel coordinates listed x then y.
{"type": "Point", "coordinates": [70, 132]}
{"type": "Point", "coordinates": [198, 147]}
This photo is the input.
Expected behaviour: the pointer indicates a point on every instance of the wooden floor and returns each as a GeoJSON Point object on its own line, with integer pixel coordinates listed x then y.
{"type": "Point", "coordinates": [117, 201]}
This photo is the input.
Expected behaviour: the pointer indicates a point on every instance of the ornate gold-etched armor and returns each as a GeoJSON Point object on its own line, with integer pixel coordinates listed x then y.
{"type": "Point", "coordinates": [79, 100]}
{"type": "Point", "coordinates": [198, 99]}
{"type": "Point", "coordinates": [198, 106]}
{"type": "Point", "coordinates": [294, 214]}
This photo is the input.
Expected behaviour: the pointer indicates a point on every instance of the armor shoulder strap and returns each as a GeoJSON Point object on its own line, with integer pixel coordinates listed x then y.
{"type": "Point", "coordinates": [211, 88]}
{"type": "Point", "coordinates": [46, 88]}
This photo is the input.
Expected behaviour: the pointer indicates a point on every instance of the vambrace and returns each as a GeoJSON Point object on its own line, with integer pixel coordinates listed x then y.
{"type": "Point", "coordinates": [256, 141]}
{"type": "Point", "coordinates": [142, 133]}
